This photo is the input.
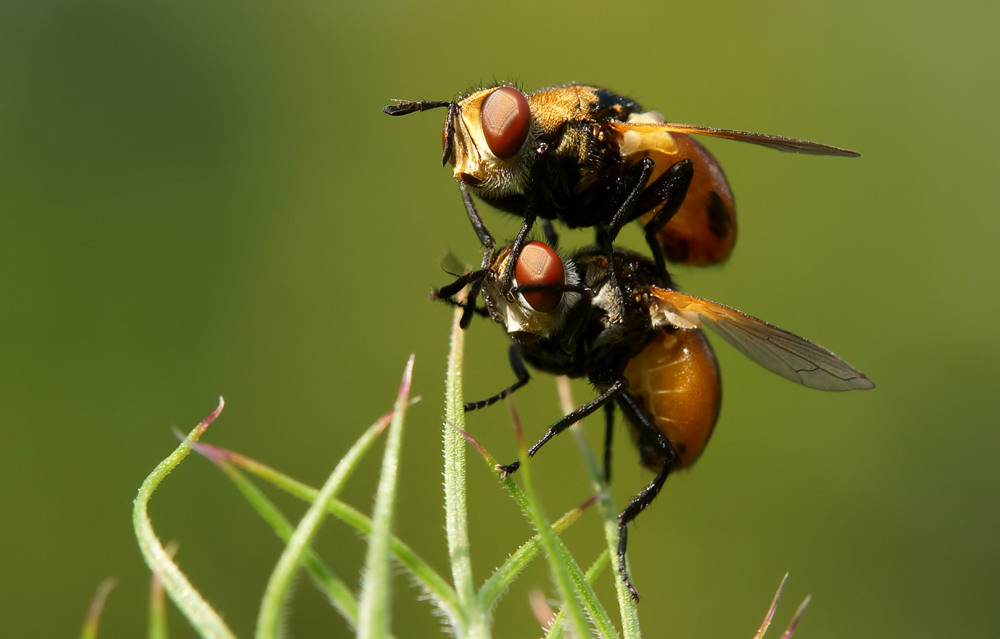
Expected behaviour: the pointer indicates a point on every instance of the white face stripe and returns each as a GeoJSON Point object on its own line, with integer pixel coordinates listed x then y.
{"type": "Point", "coordinates": [516, 315]}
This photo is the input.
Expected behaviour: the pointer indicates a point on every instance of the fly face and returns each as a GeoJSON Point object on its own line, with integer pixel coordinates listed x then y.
{"type": "Point", "coordinates": [491, 142]}
{"type": "Point", "coordinates": [545, 295]}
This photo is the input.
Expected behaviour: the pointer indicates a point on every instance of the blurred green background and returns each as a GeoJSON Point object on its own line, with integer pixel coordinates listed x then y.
{"type": "Point", "coordinates": [204, 198]}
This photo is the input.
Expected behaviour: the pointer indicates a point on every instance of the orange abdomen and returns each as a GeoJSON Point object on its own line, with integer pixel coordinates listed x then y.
{"type": "Point", "coordinates": [676, 379]}
{"type": "Point", "coordinates": [703, 231]}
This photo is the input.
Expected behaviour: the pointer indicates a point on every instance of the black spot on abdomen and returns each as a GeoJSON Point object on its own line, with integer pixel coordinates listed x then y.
{"type": "Point", "coordinates": [719, 222]}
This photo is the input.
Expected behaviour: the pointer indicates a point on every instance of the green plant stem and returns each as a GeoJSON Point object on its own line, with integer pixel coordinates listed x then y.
{"type": "Point", "coordinates": [373, 607]}
{"type": "Point", "coordinates": [504, 575]}
{"type": "Point", "coordinates": [202, 616]}
{"type": "Point", "coordinates": [437, 589]}
{"type": "Point", "coordinates": [335, 588]}
{"type": "Point", "coordinates": [555, 551]}
{"type": "Point", "coordinates": [93, 618]}
{"type": "Point", "coordinates": [157, 601]}
{"type": "Point", "coordinates": [606, 506]}
{"type": "Point", "coordinates": [297, 546]}
{"type": "Point", "coordinates": [475, 621]}
{"type": "Point", "coordinates": [558, 628]}
{"type": "Point", "coordinates": [562, 560]}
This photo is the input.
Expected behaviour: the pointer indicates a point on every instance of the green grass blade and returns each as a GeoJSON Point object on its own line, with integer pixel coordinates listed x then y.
{"type": "Point", "coordinates": [203, 617]}
{"type": "Point", "coordinates": [606, 506]}
{"type": "Point", "coordinates": [157, 601]}
{"type": "Point", "coordinates": [557, 629]}
{"type": "Point", "coordinates": [550, 541]}
{"type": "Point", "coordinates": [433, 584]}
{"type": "Point", "coordinates": [373, 608]}
{"type": "Point", "coordinates": [157, 610]}
{"type": "Point", "coordinates": [93, 618]}
{"type": "Point", "coordinates": [591, 603]}
{"type": "Point", "coordinates": [507, 572]}
{"type": "Point", "coordinates": [771, 610]}
{"type": "Point", "coordinates": [298, 544]}
{"type": "Point", "coordinates": [336, 590]}
{"type": "Point", "coordinates": [474, 623]}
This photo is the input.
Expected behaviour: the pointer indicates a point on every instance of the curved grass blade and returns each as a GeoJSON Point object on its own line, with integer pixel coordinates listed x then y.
{"type": "Point", "coordinates": [157, 601]}
{"type": "Point", "coordinates": [627, 606]}
{"type": "Point", "coordinates": [591, 603]}
{"type": "Point", "coordinates": [507, 572]}
{"type": "Point", "coordinates": [474, 621]}
{"type": "Point", "coordinates": [192, 605]}
{"type": "Point", "coordinates": [557, 629]}
{"type": "Point", "coordinates": [774, 606]}
{"type": "Point", "coordinates": [433, 584]}
{"type": "Point", "coordinates": [336, 590]}
{"type": "Point", "coordinates": [794, 623]}
{"type": "Point", "coordinates": [764, 625]}
{"type": "Point", "coordinates": [373, 607]}
{"type": "Point", "coordinates": [93, 618]}
{"type": "Point", "coordinates": [555, 552]}
{"type": "Point", "coordinates": [297, 546]}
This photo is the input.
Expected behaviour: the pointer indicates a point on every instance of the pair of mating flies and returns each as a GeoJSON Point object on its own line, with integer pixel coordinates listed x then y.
{"type": "Point", "coordinates": [591, 158]}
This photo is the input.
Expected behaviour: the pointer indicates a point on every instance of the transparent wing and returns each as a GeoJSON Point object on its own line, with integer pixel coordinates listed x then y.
{"type": "Point", "coordinates": [778, 142]}
{"type": "Point", "coordinates": [777, 350]}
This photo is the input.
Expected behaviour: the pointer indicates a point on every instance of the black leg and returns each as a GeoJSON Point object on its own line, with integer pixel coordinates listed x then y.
{"type": "Point", "coordinates": [515, 252]}
{"type": "Point", "coordinates": [485, 237]}
{"type": "Point", "coordinates": [616, 388]}
{"type": "Point", "coordinates": [632, 183]}
{"type": "Point", "coordinates": [638, 504]}
{"type": "Point", "coordinates": [470, 304]}
{"type": "Point", "coordinates": [531, 195]}
{"type": "Point", "coordinates": [448, 291]}
{"type": "Point", "coordinates": [609, 426]}
{"type": "Point", "coordinates": [561, 288]}
{"type": "Point", "coordinates": [523, 377]}
{"type": "Point", "coordinates": [482, 312]}
{"type": "Point", "coordinates": [670, 189]}
{"type": "Point", "coordinates": [649, 433]}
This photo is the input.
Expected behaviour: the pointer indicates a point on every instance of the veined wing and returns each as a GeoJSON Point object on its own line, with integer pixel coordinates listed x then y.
{"type": "Point", "coordinates": [778, 142]}
{"type": "Point", "coordinates": [777, 350]}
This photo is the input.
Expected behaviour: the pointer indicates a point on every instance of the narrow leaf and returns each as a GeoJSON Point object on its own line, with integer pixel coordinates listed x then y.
{"type": "Point", "coordinates": [297, 546]}
{"type": "Point", "coordinates": [373, 607]}
{"type": "Point", "coordinates": [606, 506]}
{"type": "Point", "coordinates": [435, 587]}
{"type": "Point", "coordinates": [474, 623]}
{"type": "Point", "coordinates": [192, 605]}
{"type": "Point", "coordinates": [93, 618]}
{"type": "Point", "coordinates": [557, 558]}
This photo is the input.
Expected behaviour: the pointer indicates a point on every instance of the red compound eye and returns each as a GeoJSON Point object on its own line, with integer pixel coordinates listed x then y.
{"type": "Point", "coordinates": [506, 120]}
{"type": "Point", "coordinates": [539, 265]}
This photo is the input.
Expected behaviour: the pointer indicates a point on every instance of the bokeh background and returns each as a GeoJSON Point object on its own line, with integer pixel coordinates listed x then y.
{"type": "Point", "coordinates": [204, 198]}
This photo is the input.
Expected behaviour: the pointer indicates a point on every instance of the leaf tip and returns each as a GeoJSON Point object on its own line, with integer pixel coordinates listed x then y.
{"type": "Point", "coordinates": [205, 423]}
{"type": "Point", "coordinates": [97, 606]}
